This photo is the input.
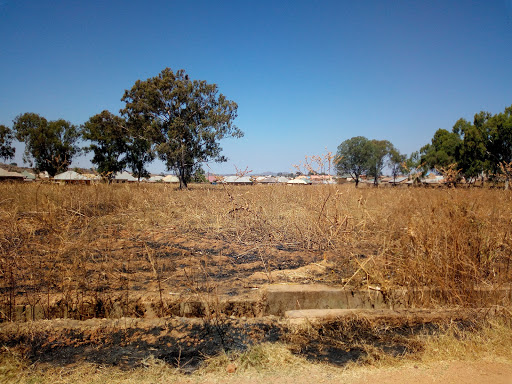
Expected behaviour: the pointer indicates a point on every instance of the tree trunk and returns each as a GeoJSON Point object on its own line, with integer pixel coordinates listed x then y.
{"type": "Point", "coordinates": [183, 182]}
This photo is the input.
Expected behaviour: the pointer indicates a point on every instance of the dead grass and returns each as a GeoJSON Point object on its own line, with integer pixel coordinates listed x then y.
{"type": "Point", "coordinates": [490, 340]}
{"type": "Point", "coordinates": [91, 249]}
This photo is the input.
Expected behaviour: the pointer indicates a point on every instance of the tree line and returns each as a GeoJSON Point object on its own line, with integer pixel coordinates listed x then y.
{"type": "Point", "coordinates": [471, 150]}
{"type": "Point", "coordinates": [169, 116]}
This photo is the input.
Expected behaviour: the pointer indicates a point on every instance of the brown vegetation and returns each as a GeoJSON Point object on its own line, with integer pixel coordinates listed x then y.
{"type": "Point", "coordinates": [150, 250]}
{"type": "Point", "coordinates": [98, 250]}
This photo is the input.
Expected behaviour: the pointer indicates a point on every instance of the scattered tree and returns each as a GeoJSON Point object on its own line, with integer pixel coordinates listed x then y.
{"type": "Point", "coordinates": [184, 119]}
{"type": "Point", "coordinates": [379, 153]}
{"type": "Point", "coordinates": [413, 165]}
{"type": "Point", "coordinates": [471, 150]}
{"type": "Point", "coordinates": [397, 163]}
{"type": "Point", "coordinates": [199, 175]}
{"type": "Point", "coordinates": [499, 143]}
{"type": "Point", "coordinates": [352, 157]}
{"type": "Point", "coordinates": [139, 152]}
{"type": "Point", "coordinates": [49, 145]}
{"type": "Point", "coordinates": [6, 137]}
{"type": "Point", "coordinates": [442, 151]}
{"type": "Point", "coordinates": [109, 142]}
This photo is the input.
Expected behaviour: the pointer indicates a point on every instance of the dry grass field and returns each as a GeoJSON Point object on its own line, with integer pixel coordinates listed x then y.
{"type": "Point", "coordinates": [132, 251]}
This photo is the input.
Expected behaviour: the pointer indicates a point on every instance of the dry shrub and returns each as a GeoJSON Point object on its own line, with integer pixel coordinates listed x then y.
{"type": "Point", "coordinates": [264, 356]}
{"type": "Point", "coordinates": [57, 242]}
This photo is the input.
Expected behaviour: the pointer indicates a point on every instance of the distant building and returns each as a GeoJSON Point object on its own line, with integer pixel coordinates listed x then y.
{"type": "Point", "coordinates": [10, 176]}
{"type": "Point", "coordinates": [171, 179]}
{"type": "Point", "coordinates": [235, 180]}
{"type": "Point", "coordinates": [300, 181]}
{"type": "Point", "coordinates": [124, 177]}
{"type": "Point", "coordinates": [72, 177]}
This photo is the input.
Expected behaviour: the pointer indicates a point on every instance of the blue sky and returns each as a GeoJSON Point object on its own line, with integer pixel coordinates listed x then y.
{"type": "Point", "coordinates": [306, 75]}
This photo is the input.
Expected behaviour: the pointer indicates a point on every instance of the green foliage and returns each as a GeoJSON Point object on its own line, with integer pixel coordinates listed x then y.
{"type": "Point", "coordinates": [397, 163]}
{"type": "Point", "coordinates": [379, 152]}
{"type": "Point", "coordinates": [6, 137]}
{"type": "Point", "coordinates": [471, 150]}
{"type": "Point", "coordinates": [199, 176]}
{"type": "Point", "coordinates": [442, 151]}
{"type": "Point", "coordinates": [484, 146]}
{"type": "Point", "coordinates": [139, 152]}
{"type": "Point", "coordinates": [352, 157]}
{"type": "Point", "coordinates": [359, 156]}
{"type": "Point", "coordinates": [184, 119]}
{"type": "Point", "coordinates": [499, 139]}
{"type": "Point", "coordinates": [109, 142]}
{"type": "Point", "coordinates": [49, 145]}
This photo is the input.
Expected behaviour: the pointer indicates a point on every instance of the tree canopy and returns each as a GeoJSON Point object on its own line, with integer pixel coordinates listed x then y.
{"type": "Point", "coordinates": [359, 156]}
{"type": "Point", "coordinates": [138, 155]}
{"type": "Point", "coordinates": [397, 163]}
{"type": "Point", "coordinates": [379, 152]}
{"type": "Point", "coordinates": [49, 145]}
{"type": "Point", "coordinates": [184, 119]}
{"type": "Point", "coordinates": [7, 151]}
{"type": "Point", "coordinates": [442, 150]}
{"type": "Point", "coordinates": [473, 148]}
{"type": "Point", "coordinates": [352, 157]}
{"type": "Point", "coordinates": [109, 142]}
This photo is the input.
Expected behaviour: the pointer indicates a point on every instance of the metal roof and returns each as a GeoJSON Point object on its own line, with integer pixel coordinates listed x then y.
{"type": "Point", "coordinates": [10, 175]}
{"type": "Point", "coordinates": [70, 175]}
{"type": "Point", "coordinates": [124, 176]}
{"type": "Point", "coordinates": [171, 179]}
{"type": "Point", "coordinates": [398, 180]}
{"type": "Point", "coordinates": [237, 180]}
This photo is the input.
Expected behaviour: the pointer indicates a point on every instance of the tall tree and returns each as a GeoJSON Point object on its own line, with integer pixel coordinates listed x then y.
{"type": "Point", "coordinates": [499, 143]}
{"type": "Point", "coordinates": [7, 151]}
{"type": "Point", "coordinates": [199, 175]}
{"type": "Point", "coordinates": [471, 150]}
{"type": "Point", "coordinates": [185, 119]}
{"type": "Point", "coordinates": [49, 145]}
{"type": "Point", "coordinates": [139, 152]}
{"type": "Point", "coordinates": [352, 157]}
{"type": "Point", "coordinates": [413, 165]}
{"type": "Point", "coordinates": [442, 152]}
{"type": "Point", "coordinates": [109, 142]}
{"type": "Point", "coordinates": [379, 153]}
{"type": "Point", "coordinates": [397, 163]}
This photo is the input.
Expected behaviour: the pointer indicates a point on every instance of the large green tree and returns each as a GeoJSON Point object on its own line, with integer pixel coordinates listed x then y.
{"type": "Point", "coordinates": [470, 152]}
{"type": "Point", "coordinates": [442, 151]}
{"type": "Point", "coordinates": [397, 163]}
{"type": "Point", "coordinates": [49, 145]}
{"type": "Point", "coordinates": [380, 151]}
{"type": "Point", "coordinates": [108, 136]}
{"type": "Point", "coordinates": [499, 144]}
{"type": "Point", "coordinates": [139, 152]}
{"type": "Point", "coordinates": [7, 151]}
{"type": "Point", "coordinates": [184, 119]}
{"type": "Point", "coordinates": [352, 157]}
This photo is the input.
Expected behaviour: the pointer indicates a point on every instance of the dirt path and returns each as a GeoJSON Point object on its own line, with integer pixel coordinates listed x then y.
{"type": "Point", "coordinates": [454, 372]}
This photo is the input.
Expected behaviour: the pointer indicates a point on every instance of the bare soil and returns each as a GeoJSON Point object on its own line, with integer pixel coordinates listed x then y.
{"type": "Point", "coordinates": [446, 372]}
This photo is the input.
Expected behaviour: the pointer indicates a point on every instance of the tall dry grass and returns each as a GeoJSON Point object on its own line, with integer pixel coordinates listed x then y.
{"type": "Point", "coordinates": [56, 241]}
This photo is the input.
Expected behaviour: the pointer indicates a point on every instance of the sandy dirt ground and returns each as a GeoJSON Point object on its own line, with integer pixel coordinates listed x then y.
{"type": "Point", "coordinates": [453, 372]}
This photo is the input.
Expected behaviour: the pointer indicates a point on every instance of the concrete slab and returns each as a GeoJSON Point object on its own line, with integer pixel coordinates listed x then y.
{"type": "Point", "coordinates": [402, 315]}
{"type": "Point", "coordinates": [282, 298]}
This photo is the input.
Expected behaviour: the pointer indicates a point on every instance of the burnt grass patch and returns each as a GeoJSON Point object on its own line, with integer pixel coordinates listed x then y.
{"type": "Point", "coordinates": [186, 343]}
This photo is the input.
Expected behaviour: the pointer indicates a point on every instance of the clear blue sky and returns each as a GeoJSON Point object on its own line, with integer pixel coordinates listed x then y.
{"type": "Point", "coordinates": [306, 74]}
